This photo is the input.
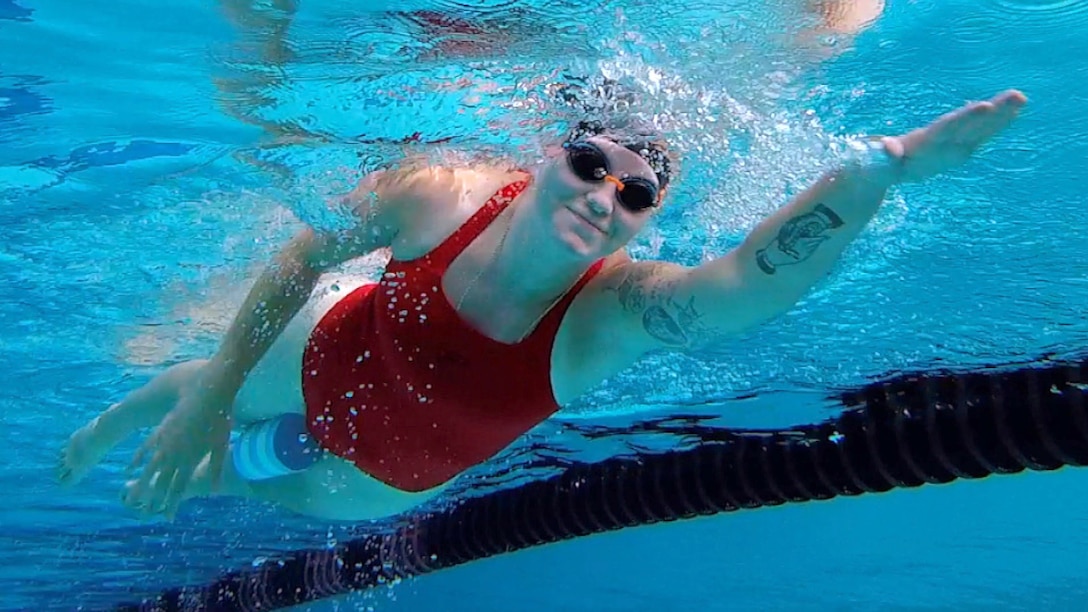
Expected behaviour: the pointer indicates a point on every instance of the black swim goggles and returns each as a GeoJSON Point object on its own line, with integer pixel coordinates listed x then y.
{"type": "Point", "coordinates": [589, 163]}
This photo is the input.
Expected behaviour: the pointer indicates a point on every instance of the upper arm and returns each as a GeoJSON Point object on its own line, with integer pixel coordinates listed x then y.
{"type": "Point", "coordinates": [638, 307]}
{"type": "Point", "coordinates": [376, 210]}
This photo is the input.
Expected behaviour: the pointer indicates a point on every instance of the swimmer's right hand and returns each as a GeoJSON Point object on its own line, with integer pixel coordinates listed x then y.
{"type": "Point", "coordinates": [198, 425]}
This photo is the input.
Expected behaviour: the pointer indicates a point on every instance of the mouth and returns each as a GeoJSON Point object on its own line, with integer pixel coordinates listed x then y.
{"type": "Point", "coordinates": [583, 219]}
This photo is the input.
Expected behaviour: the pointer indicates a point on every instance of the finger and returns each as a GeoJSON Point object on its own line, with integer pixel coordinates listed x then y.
{"type": "Point", "coordinates": [146, 449]}
{"type": "Point", "coordinates": [1010, 105]}
{"type": "Point", "coordinates": [215, 466]}
{"type": "Point", "coordinates": [144, 487]}
{"type": "Point", "coordinates": [63, 469]}
{"type": "Point", "coordinates": [172, 491]}
{"type": "Point", "coordinates": [160, 490]}
{"type": "Point", "coordinates": [1003, 108]}
{"type": "Point", "coordinates": [131, 496]}
{"type": "Point", "coordinates": [996, 113]}
{"type": "Point", "coordinates": [979, 123]}
{"type": "Point", "coordinates": [126, 494]}
{"type": "Point", "coordinates": [996, 122]}
{"type": "Point", "coordinates": [963, 121]}
{"type": "Point", "coordinates": [176, 495]}
{"type": "Point", "coordinates": [1009, 98]}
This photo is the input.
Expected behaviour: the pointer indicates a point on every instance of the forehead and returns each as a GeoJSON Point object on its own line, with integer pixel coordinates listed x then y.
{"type": "Point", "coordinates": [624, 160]}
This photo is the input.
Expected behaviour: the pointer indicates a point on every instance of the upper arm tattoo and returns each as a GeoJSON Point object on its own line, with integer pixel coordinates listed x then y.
{"type": "Point", "coordinates": [798, 239]}
{"type": "Point", "coordinates": [672, 320]}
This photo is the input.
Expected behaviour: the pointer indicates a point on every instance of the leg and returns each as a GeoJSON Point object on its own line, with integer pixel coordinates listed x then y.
{"type": "Point", "coordinates": [332, 489]}
{"type": "Point", "coordinates": [274, 387]}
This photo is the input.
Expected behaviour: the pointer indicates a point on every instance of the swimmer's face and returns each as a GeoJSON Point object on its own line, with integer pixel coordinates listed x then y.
{"type": "Point", "coordinates": [600, 195]}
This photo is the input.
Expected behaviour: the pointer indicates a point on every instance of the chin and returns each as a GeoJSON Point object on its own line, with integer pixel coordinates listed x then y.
{"type": "Point", "coordinates": [578, 236]}
{"type": "Point", "coordinates": [580, 249]}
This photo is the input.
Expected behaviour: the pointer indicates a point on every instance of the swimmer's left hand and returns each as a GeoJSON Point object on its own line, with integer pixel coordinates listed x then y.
{"type": "Point", "coordinates": [951, 139]}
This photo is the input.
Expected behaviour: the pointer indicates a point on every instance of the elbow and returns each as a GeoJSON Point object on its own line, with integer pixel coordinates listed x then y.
{"type": "Point", "coordinates": [776, 299]}
{"type": "Point", "coordinates": [760, 301]}
{"type": "Point", "coordinates": [307, 254]}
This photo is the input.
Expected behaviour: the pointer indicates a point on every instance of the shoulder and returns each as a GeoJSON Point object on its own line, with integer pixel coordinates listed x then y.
{"type": "Point", "coordinates": [425, 180]}
{"type": "Point", "coordinates": [427, 202]}
{"type": "Point", "coordinates": [636, 304]}
{"type": "Point", "coordinates": [627, 310]}
{"type": "Point", "coordinates": [415, 188]}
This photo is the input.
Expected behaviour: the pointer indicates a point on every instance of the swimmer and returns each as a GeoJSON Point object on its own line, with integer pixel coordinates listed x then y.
{"type": "Point", "coordinates": [508, 295]}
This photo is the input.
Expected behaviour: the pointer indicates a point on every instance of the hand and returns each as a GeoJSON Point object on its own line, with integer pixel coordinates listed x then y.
{"type": "Point", "coordinates": [197, 426]}
{"type": "Point", "coordinates": [951, 139]}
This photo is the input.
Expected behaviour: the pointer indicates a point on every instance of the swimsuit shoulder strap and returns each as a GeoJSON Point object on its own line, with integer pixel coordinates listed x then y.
{"type": "Point", "coordinates": [452, 246]}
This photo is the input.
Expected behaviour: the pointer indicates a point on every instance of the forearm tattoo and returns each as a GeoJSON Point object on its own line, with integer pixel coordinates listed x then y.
{"type": "Point", "coordinates": [671, 320]}
{"type": "Point", "coordinates": [798, 239]}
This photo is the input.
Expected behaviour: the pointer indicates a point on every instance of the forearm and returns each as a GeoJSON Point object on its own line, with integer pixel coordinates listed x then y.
{"type": "Point", "coordinates": [285, 287]}
{"type": "Point", "coordinates": [797, 246]}
{"type": "Point", "coordinates": [793, 249]}
{"type": "Point", "coordinates": [280, 292]}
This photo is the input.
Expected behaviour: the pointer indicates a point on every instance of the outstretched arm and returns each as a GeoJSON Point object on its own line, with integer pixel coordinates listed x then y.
{"type": "Point", "coordinates": [666, 305]}
{"type": "Point", "coordinates": [650, 305]}
{"type": "Point", "coordinates": [285, 286]}
{"type": "Point", "coordinates": [199, 422]}
{"type": "Point", "coordinates": [797, 246]}
{"type": "Point", "coordinates": [790, 251]}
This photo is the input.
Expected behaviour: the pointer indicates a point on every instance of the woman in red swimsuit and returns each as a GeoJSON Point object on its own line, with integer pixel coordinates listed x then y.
{"type": "Point", "coordinates": [508, 294]}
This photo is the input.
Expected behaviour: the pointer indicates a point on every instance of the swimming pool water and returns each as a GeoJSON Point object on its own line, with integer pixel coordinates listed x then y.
{"type": "Point", "coordinates": [135, 200]}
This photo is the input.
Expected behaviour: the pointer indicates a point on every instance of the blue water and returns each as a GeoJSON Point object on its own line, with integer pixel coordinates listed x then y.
{"type": "Point", "coordinates": [136, 197]}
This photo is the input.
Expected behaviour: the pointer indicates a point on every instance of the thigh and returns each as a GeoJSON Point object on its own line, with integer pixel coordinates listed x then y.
{"type": "Point", "coordinates": [334, 489]}
{"type": "Point", "coordinates": [274, 387]}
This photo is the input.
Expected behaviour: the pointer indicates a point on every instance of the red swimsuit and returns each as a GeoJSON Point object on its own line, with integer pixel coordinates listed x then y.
{"type": "Point", "coordinates": [397, 383]}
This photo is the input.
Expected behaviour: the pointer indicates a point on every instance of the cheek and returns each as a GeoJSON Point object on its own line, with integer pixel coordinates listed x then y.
{"type": "Point", "coordinates": [628, 226]}
{"type": "Point", "coordinates": [559, 186]}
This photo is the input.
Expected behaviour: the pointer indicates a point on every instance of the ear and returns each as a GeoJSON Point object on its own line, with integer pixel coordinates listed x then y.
{"type": "Point", "coordinates": [661, 195]}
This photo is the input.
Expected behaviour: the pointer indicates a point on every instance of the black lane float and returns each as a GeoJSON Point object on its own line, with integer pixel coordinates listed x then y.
{"type": "Point", "coordinates": [906, 431]}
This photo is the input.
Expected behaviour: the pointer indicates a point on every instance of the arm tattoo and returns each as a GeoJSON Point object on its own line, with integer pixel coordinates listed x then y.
{"type": "Point", "coordinates": [798, 239]}
{"type": "Point", "coordinates": [674, 323]}
{"type": "Point", "coordinates": [632, 289]}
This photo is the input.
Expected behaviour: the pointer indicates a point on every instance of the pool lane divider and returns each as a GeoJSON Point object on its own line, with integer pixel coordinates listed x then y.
{"type": "Point", "coordinates": [907, 431]}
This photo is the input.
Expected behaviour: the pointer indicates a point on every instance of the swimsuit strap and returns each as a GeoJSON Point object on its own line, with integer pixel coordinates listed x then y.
{"type": "Point", "coordinates": [444, 254]}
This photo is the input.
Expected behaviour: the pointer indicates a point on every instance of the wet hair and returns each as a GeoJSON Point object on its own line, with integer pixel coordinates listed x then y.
{"type": "Point", "coordinates": [643, 141]}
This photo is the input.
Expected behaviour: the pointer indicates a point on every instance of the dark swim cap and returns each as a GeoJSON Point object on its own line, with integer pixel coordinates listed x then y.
{"type": "Point", "coordinates": [606, 107]}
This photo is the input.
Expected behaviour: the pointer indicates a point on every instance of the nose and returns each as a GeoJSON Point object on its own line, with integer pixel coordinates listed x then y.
{"type": "Point", "coordinates": [602, 199]}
